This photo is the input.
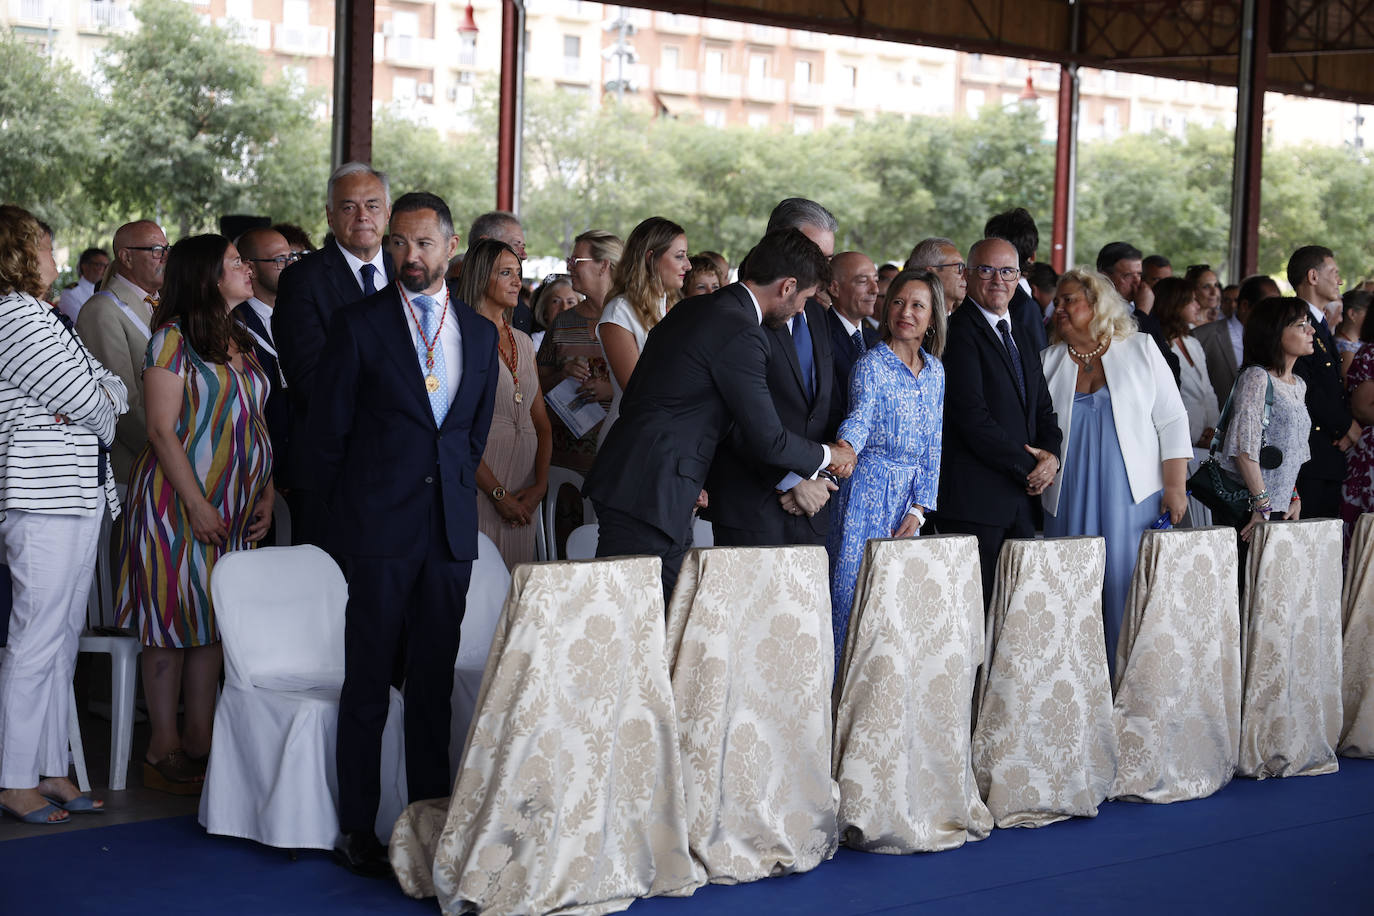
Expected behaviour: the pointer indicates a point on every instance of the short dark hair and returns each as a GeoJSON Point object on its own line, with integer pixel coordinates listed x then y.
{"type": "Point", "coordinates": [1113, 252]}
{"type": "Point", "coordinates": [795, 212]}
{"type": "Point", "coordinates": [89, 255]}
{"type": "Point", "coordinates": [416, 201]}
{"type": "Point", "coordinates": [1263, 340]}
{"type": "Point", "coordinates": [1155, 260]}
{"type": "Point", "coordinates": [1172, 294]}
{"type": "Point", "coordinates": [889, 268]}
{"type": "Point", "coordinates": [1018, 227]}
{"type": "Point", "coordinates": [1361, 299]}
{"type": "Point", "coordinates": [1308, 257]}
{"type": "Point", "coordinates": [1042, 276]}
{"type": "Point", "coordinates": [295, 236]}
{"type": "Point", "coordinates": [1252, 288]}
{"type": "Point", "coordinates": [786, 253]}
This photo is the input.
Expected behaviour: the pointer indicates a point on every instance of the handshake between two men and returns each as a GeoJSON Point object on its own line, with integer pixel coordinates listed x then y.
{"type": "Point", "coordinates": [809, 496]}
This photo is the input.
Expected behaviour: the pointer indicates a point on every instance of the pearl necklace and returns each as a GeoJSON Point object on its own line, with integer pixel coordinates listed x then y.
{"type": "Point", "coordinates": [1087, 358]}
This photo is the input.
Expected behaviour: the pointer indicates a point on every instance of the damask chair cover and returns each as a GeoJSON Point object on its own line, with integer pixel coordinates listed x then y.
{"type": "Point", "coordinates": [751, 657]}
{"type": "Point", "coordinates": [1290, 713]}
{"type": "Point", "coordinates": [1357, 673]}
{"type": "Point", "coordinates": [1043, 745]}
{"type": "Point", "coordinates": [570, 796]}
{"type": "Point", "coordinates": [1177, 708]}
{"type": "Point", "coordinates": [904, 698]}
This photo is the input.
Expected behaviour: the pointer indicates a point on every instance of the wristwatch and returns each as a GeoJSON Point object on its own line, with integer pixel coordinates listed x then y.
{"type": "Point", "coordinates": [499, 493]}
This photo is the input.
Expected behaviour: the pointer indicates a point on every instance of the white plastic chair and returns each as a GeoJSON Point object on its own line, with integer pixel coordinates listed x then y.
{"type": "Point", "coordinates": [582, 542]}
{"type": "Point", "coordinates": [272, 772]}
{"type": "Point", "coordinates": [486, 597]}
{"type": "Point", "coordinates": [703, 535]}
{"type": "Point", "coordinates": [559, 478]}
{"type": "Point", "coordinates": [123, 651]}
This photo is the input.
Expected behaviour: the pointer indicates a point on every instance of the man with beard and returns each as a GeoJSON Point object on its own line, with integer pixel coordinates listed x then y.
{"type": "Point", "coordinates": [399, 420]}
{"type": "Point", "coordinates": [704, 367]}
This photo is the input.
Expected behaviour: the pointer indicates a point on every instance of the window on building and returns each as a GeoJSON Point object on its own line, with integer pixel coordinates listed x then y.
{"type": "Point", "coordinates": [295, 13]}
{"type": "Point", "coordinates": [849, 76]}
{"type": "Point", "coordinates": [803, 123]}
{"type": "Point", "coordinates": [758, 119]}
{"type": "Point", "coordinates": [714, 117]}
{"type": "Point", "coordinates": [715, 61]}
{"type": "Point", "coordinates": [670, 57]}
{"type": "Point", "coordinates": [973, 102]}
{"type": "Point", "coordinates": [802, 72]}
{"type": "Point", "coordinates": [405, 24]}
{"type": "Point", "coordinates": [758, 67]}
{"type": "Point", "coordinates": [403, 88]}
{"type": "Point", "coordinates": [572, 46]}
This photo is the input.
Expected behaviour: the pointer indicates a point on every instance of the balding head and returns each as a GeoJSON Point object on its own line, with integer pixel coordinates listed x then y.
{"type": "Point", "coordinates": [267, 252]}
{"type": "Point", "coordinates": [134, 261]}
{"type": "Point", "coordinates": [994, 256]}
{"type": "Point", "coordinates": [853, 285]}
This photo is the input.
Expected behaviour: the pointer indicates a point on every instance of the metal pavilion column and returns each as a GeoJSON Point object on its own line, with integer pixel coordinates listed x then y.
{"type": "Point", "coordinates": [511, 106]}
{"type": "Point", "coordinates": [354, 23]}
{"type": "Point", "coordinates": [1251, 82]}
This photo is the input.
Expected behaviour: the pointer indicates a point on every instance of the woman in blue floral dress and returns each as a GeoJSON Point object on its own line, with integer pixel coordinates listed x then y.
{"type": "Point", "coordinates": [897, 394]}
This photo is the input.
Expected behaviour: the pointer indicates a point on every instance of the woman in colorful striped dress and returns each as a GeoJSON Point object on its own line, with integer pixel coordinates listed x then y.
{"type": "Point", "coordinates": [201, 487]}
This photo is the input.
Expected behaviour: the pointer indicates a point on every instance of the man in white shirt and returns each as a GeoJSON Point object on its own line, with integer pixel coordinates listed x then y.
{"type": "Point", "coordinates": [942, 257]}
{"type": "Point", "coordinates": [352, 266]}
{"type": "Point", "coordinates": [115, 325]}
{"type": "Point", "coordinates": [853, 296]}
{"type": "Point", "coordinates": [1222, 340]}
{"type": "Point", "coordinates": [90, 267]}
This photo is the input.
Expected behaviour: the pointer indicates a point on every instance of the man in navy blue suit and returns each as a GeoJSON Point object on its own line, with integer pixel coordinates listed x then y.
{"type": "Point", "coordinates": [267, 254]}
{"type": "Point", "coordinates": [399, 420]}
{"type": "Point", "coordinates": [350, 267]}
{"type": "Point", "coordinates": [853, 297]}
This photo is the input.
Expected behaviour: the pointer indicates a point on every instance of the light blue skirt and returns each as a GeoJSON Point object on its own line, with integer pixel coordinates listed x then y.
{"type": "Point", "coordinates": [1095, 499]}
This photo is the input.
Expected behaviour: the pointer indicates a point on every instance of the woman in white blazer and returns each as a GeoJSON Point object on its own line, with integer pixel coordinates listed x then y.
{"type": "Point", "coordinates": [57, 418]}
{"type": "Point", "coordinates": [1126, 444]}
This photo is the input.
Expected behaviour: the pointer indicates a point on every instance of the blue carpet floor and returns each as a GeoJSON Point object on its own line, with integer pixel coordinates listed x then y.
{"type": "Point", "coordinates": [1292, 846]}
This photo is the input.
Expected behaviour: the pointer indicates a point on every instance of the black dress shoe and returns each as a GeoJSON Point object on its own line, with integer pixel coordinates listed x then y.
{"type": "Point", "coordinates": [359, 852]}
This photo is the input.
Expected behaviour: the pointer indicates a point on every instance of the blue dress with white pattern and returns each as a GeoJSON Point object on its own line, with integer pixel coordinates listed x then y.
{"type": "Point", "coordinates": [895, 423]}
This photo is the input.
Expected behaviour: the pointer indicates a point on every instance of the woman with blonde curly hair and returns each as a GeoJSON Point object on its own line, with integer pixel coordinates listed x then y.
{"type": "Point", "coordinates": [648, 282]}
{"type": "Point", "coordinates": [1126, 442]}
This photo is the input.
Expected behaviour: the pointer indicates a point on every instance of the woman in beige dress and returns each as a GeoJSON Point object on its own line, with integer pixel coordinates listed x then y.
{"type": "Point", "coordinates": [514, 471]}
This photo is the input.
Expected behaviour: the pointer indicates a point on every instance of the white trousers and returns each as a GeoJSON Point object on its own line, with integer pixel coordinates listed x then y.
{"type": "Point", "coordinates": [51, 560]}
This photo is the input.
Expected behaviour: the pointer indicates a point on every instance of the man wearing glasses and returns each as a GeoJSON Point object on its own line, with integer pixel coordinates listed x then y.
{"type": "Point", "coordinates": [943, 258]}
{"type": "Point", "coordinates": [1002, 439]}
{"type": "Point", "coordinates": [115, 324]}
{"type": "Point", "coordinates": [346, 268]}
{"type": "Point", "coordinates": [267, 253]}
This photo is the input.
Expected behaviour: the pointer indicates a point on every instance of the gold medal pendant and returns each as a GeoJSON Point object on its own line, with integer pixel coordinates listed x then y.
{"type": "Point", "coordinates": [431, 384]}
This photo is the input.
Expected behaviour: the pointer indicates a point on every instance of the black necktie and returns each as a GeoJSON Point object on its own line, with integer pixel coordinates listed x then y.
{"type": "Point", "coordinates": [1005, 330]}
{"type": "Point", "coordinates": [369, 287]}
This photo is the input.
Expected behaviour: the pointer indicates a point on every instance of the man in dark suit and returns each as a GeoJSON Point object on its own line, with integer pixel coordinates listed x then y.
{"type": "Point", "coordinates": [1002, 439]}
{"type": "Point", "coordinates": [267, 254]}
{"type": "Point", "coordinates": [1222, 340]}
{"type": "Point", "coordinates": [346, 269]}
{"type": "Point", "coordinates": [1018, 227]}
{"type": "Point", "coordinates": [1120, 262]}
{"type": "Point", "coordinates": [399, 420]}
{"type": "Point", "coordinates": [745, 505]}
{"type": "Point", "coordinates": [1315, 278]}
{"type": "Point", "coordinates": [853, 297]}
{"type": "Point", "coordinates": [703, 367]}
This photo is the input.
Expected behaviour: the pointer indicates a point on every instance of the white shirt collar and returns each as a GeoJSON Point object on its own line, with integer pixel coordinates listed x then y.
{"type": "Point", "coordinates": [84, 286]}
{"type": "Point", "coordinates": [849, 326]}
{"type": "Point", "coordinates": [991, 317]}
{"type": "Point", "coordinates": [356, 263]}
{"type": "Point", "coordinates": [758, 309]}
{"type": "Point", "coordinates": [1024, 284]}
{"type": "Point", "coordinates": [1318, 316]}
{"type": "Point", "coordinates": [262, 310]}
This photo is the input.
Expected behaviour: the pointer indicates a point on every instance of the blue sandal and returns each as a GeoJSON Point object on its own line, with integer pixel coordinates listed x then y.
{"type": "Point", "coordinates": [81, 804]}
{"type": "Point", "coordinates": [38, 816]}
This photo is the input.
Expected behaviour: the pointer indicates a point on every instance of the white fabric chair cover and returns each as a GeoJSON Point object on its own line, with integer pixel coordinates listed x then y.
{"type": "Point", "coordinates": [271, 775]}
{"type": "Point", "coordinates": [1290, 714]}
{"type": "Point", "coordinates": [1177, 708]}
{"type": "Point", "coordinates": [486, 596]}
{"type": "Point", "coordinates": [904, 698]}
{"type": "Point", "coordinates": [751, 662]}
{"type": "Point", "coordinates": [1043, 746]}
{"type": "Point", "coordinates": [570, 794]}
{"type": "Point", "coordinates": [1357, 677]}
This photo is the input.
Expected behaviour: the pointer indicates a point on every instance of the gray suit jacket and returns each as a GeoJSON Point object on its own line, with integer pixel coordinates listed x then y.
{"type": "Point", "coordinates": [122, 347]}
{"type": "Point", "coordinates": [1222, 370]}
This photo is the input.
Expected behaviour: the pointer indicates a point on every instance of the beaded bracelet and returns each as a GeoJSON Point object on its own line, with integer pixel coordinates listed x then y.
{"type": "Point", "coordinates": [1258, 500]}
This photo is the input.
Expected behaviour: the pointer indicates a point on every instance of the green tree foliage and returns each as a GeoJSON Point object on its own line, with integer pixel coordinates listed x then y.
{"type": "Point", "coordinates": [462, 171]}
{"type": "Point", "coordinates": [47, 134]}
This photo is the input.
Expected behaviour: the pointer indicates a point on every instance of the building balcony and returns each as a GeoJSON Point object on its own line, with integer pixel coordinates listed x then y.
{"type": "Point", "coordinates": [40, 12]}
{"type": "Point", "coordinates": [306, 41]}
{"type": "Point", "coordinates": [410, 51]}
{"type": "Point", "coordinates": [720, 85]}
{"type": "Point", "coordinates": [806, 94]}
{"type": "Point", "coordinates": [723, 29]}
{"type": "Point", "coordinates": [765, 34]}
{"type": "Point", "coordinates": [573, 10]}
{"type": "Point", "coordinates": [845, 97]}
{"type": "Point", "coordinates": [804, 39]}
{"type": "Point", "coordinates": [572, 69]}
{"type": "Point", "coordinates": [681, 82]}
{"type": "Point", "coordinates": [254, 32]}
{"type": "Point", "coordinates": [766, 89]}
{"type": "Point", "coordinates": [103, 16]}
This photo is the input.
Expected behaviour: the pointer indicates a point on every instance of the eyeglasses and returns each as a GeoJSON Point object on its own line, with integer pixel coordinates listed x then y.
{"type": "Point", "coordinates": [960, 268]}
{"type": "Point", "coordinates": [280, 260]}
{"type": "Point", "coordinates": [1009, 274]}
{"type": "Point", "coordinates": [1302, 324]}
{"type": "Point", "coordinates": [573, 262]}
{"type": "Point", "coordinates": [157, 251]}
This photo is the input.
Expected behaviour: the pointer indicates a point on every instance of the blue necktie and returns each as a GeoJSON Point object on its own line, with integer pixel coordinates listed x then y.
{"type": "Point", "coordinates": [1005, 330]}
{"type": "Point", "coordinates": [801, 339]}
{"type": "Point", "coordinates": [368, 271]}
{"type": "Point", "coordinates": [429, 325]}
{"type": "Point", "coordinates": [859, 344]}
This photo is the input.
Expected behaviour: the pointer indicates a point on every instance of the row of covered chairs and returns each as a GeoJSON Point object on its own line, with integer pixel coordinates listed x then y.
{"type": "Point", "coordinates": [611, 758]}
